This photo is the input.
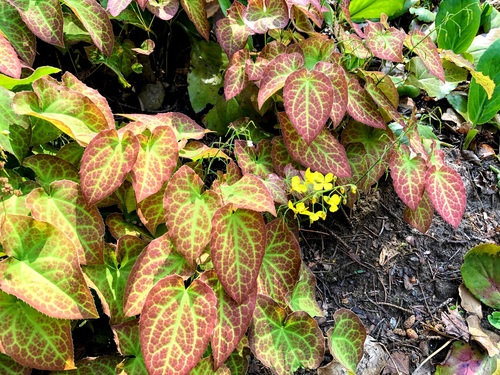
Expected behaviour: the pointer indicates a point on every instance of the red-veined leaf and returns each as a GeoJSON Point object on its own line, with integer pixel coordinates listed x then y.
{"type": "Point", "coordinates": [254, 159]}
{"type": "Point", "coordinates": [264, 15]}
{"type": "Point", "coordinates": [10, 64]}
{"type": "Point", "coordinates": [303, 297]}
{"type": "Point", "coordinates": [231, 31]}
{"type": "Point", "coordinates": [127, 339]}
{"type": "Point", "coordinates": [386, 44]}
{"type": "Point", "coordinates": [423, 46]}
{"type": "Point", "coordinates": [421, 218]}
{"type": "Point", "coordinates": [102, 365]}
{"type": "Point", "coordinates": [119, 227]}
{"type": "Point", "coordinates": [236, 77]}
{"type": "Point", "coordinates": [360, 105]}
{"type": "Point", "coordinates": [115, 7]}
{"type": "Point", "coordinates": [197, 13]}
{"type": "Point", "coordinates": [45, 20]}
{"type": "Point", "coordinates": [380, 98]}
{"type": "Point", "coordinates": [206, 366]}
{"type": "Point", "coordinates": [151, 212]}
{"type": "Point", "coordinates": [163, 9]}
{"type": "Point", "coordinates": [281, 157]}
{"type": "Point", "coordinates": [9, 366]}
{"type": "Point", "coordinates": [50, 168]}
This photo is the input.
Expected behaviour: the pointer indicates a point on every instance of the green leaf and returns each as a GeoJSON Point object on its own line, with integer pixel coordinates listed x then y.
{"type": "Point", "coordinates": [9, 366]}
{"type": "Point", "coordinates": [15, 133]}
{"type": "Point", "coordinates": [106, 162]}
{"type": "Point", "coordinates": [102, 365]}
{"type": "Point", "coordinates": [421, 218]}
{"type": "Point", "coordinates": [362, 9]}
{"type": "Point", "coordinates": [481, 108]}
{"type": "Point", "coordinates": [457, 23]}
{"type": "Point", "coordinates": [308, 100]}
{"type": "Point", "coordinates": [360, 105]}
{"type": "Point", "coordinates": [42, 269]}
{"type": "Point", "coordinates": [480, 274]}
{"type": "Point", "coordinates": [303, 297]}
{"type": "Point", "coordinates": [157, 260]}
{"type": "Point", "coordinates": [64, 207]}
{"type": "Point", "coordinates": [189, 213]}
{"type": "Point", "coordinates": [346, 340]}
{"type": "Point", "coordinates": [316, 50]}
{"type": "Point", "coordinates": [118, 227]}
{"type": "Point", "coordinates": [284, 342]}
{"type": "Point", "coordinates": [109, 279]}
{"type": "Point", "coordinates": [32, 338]}
{"type": "Point", "coordinates": [264, 15]}
{"type": "Point", "coordinates": [45, 20]}
{"type": "Point", "coordinates": [197, 13]}
{"type": "Point", "coordinates": [42, 71]}
{"type": "Point", "coordinates": [176, 324]}
{"type": "Point", "coordinates": [206, 367]}
{"type": "Point", "coordinates": [95, 19]}
{"type": "Point", "coordinates": [50, 168]}
{"type": "Point", "coordinates": [127, 338]}
{"type": "Point", "coordinates": [256, 159]}
{"type": "Point", "coordinates": [233, 319]}
{"type": "Point", "coordinates": [325, 154]}
{"type": "Point", "coordinates": [237, 247]}
{"type": "Point", "coordinates": [494, 319]}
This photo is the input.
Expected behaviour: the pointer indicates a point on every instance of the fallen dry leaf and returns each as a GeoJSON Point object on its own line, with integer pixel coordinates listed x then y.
{"type": "Point", "coordinates": [479, 335]}
{"type": "Point", "coordinates": [398, 363]}
{"type": "Point", "coordinates": [455, 325]}
{"type": "Point", "coordinates": [470, 303]}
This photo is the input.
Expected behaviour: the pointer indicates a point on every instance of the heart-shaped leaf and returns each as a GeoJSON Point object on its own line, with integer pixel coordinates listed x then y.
{"type": "Point", "coordinates": [115, 7]}
{"type": "Point", "coordinates": [264, 15]}
{"type": "Point", "coordinates": [231, 31]}
{"type": "Point", "coordinates": [386, 44]}
{"type": "Point", "coordinates": [163, 9]}
{"type": "Point", "coordinates": [50, 168]}
{"type": "Point", "coordinates": [464, 359]}
{"type": "Point", "coordinates": [127, 338]}
{"type": "Point", "coordinates": [254, 159]}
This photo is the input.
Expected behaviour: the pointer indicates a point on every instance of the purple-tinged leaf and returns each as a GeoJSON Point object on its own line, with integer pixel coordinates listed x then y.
{"type": "Point", "coordinates": [231, 32]}
{"type": "Point", "coordinates": [176, 324]}
{"type": "Point", "coordinates": [35, 249]}
{"type": "Point", "coordinates": [64, 207]}
{"type": "Point", "coordinates": [127, 339]}
{"type": "Point", "coordinates": [50, 168]}
{"type": "Point", "coordinates": [264, 15]}
{"type": "Point", "coordinates": [17, 32]}
{"type": "Point", "coordinates": [157, 260]}
{"type": "Point", "coordinates": [10, 64]}
{"type": "Point", "coordinates": [386, 44]}
{"type": "Point", "coordinates": [115, 7]}
{"type": "Point", "coordinates": [360, 105]}
{"type": "Point", "coordinates": [254, 159]}
{"type": "Point", "coordinates": [325, 154]}
{"type": "Point", "coordinates": [380, 98]}
{"type": "Point", "coordinates": [233, 319]}
{"type": "Point", "coordinates": [423, 46]}
{"type": "Point", "coordinates": [281, 157]}
{"type": "Point", "coordinates": [110, 278]}
{"type": "Point", "coordinates": [156, 161]}
{"type": "Point", "coordinates": [250, 193]}
{"type": "Point", "coordinates": [311, 14]}
{"type": "Point", "coordinates": [346, 340]}
{"type": "Point", "coordinates": [189, 213]}
{"type": "Point", "coordinates": [284, 342]}
{"type": "Point", "coordinates": [408, 176]}
{"type": "Point", "coordinates": [464, 359]}
{"type": "Point", "coordinates": [303, 297]}
{"type": "Point", "coordinates": [447, 193]}
{"type": "Point", "coordinates": [421, 218]}
{"type": "Point", "coordinates": [277, 187]}
{"type": "Point", "coordinates": [33, 339]}
{"type": "Point", "coordinates": [151, 212]}
{"type": "Point", "coordinates": [237, 247]}
{"type": "Point", "coordinates": [105, 164]}
{"type": "Point", "coordinates": [96, 21]}
{"type": "Point", "coordinates": [236, 77]}
{"type": "Point", "coordinates": [336, 75]}
{"type": "Point", "coordinates": [281, 264]}
{"type": "Point", "coordinates": [45, 20]}
{"type": "Point", "coordinates": [301, 21]}
{"type": "Point", "coordinates": [276, 73]}
{"type": "Point", "coordinates": [9, 366]}
{"type": "Point", "coordinates": [308, 99]}
{"type": "Point", "coordinates": [163, 9]}
{"type": "Point", "coordinates": [119, 227]}
{"type": "Point", "coordinates": [255, 69]}
{"type": "Point", "coordinates": [197, 13]}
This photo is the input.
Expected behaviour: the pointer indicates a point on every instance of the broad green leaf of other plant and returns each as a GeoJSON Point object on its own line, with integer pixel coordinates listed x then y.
{"type": "Point", "coordinates": [284, 342]}
{"type": "Point", "coordinates": [480, 273]}
{"type": "Point", "coordinates": [457, 23]}
{"type": "Point", "coordinates": [42, 71]}
{"type": "Point", "coordinates": [176, 324]}
{"type": "Point", "coordinates": [42, 269]}
{"type": "Point", "coordinates": [482, 109]}
{"type": "Point", "coordinates": [363, 9]}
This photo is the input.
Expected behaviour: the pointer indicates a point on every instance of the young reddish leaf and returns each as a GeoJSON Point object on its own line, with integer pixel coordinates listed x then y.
{"type": "Point", "coordinates": [45, 20]}
{"type": "Point", "coordinates": [233, 319]}
{"type": "Point", "coordinates": [285, 343]}
{"type": "Point", "coordinates": [157, 260]}
{"type": "Point", "coordinates": [264, 15]}
{"type": "Point", "coordinates": [423, 46]}
{"type": "Point", "coordinates": [281, 157]}
{"type": "Point", "coordinates": [408, 176]}
{"type": "Point", "coordinates": [35, 249]}
{"type": "Point", "coordinates": [127, 339]}
{"type": "Point", "coordinates": [447, 192]}
{"type": "Point", "coordinates": [96, 21]}
{"type": "Point", "coordinates": [346, 340]}
{"type": "Point", "coordinates": [17, 32]}
{"type": "Point", "coordinates": [276, 73]}
{"type": "Point", "coordinates": [68, 110]}
{"type": "Point", "coordinates": [273, 49]}
{"type": "Point", "coordinates": [197, 13]}
{"type": "Point", "coordinates": [163, 9]}
{"type": "Point", "coordinates": [250, 193]}
{"type": "Point", "coordinates": [325, 154]}
{"type": "Point", "coordinates": [64, 207]}
{"type": "Point", "coordinates": [33, 339]}
{"type": "Point", "coordinates": [189, 213]}
{"type": "Point", "coordinates": [308, 99]}
{"type": "Point", "coordinates": [237, 247]}
{"type": "Point", "coordinates": [156, 161]}
{"type": "Point", "coordinates": [106, 162]}
{"type": "Point", "coordinates": [119, 227]}
{"type": "Point", "coordinates": [360, 105]}
{"type": "Point", "coordinates": [281, 264]}
{"type": "Point", "coordinates": [231, 31]}
{"type": "Point", "coordinates": [383, 101]}
{"type": "Point", "coordinates": [277, 187]}
{"type": "Point", "coordinates": [303, 297]}
{"type": "Point", "coordinates": [336, 75]}
{"type": "Point", "coordinates": [206, 367]}
{"type": "Point", "coordinates": [176, 324]}
{"type": "Point", "coordinates": [115, 7]}
{"type": "Point", "coordinates": [50, 168]}
{"type": "Point", "coordinates": [352, 45]}
{"type": "Point", "coordinates": [9, 366]}
{"type": "Point", "coordinates": [151, 212]}
{"type": "Point", "coordinates": [301, 20]}
{"type": "Point", "coordinates": [254, 159]}
{"type": "Point", "coordinates": [236, 77]}
{"type": "Point", "coordinates": [421, 218]}
{"type": "Point", "coordinates": [10, 64]}
{"type": "Point", "coordinates": [110, 278]}
{"type": "Point", "coordinates": [386, 44]}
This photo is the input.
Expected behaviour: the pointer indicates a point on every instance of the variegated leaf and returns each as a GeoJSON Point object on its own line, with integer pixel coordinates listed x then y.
{"type": "Point", "coordinates": [421, 218]}
{"type": "Point", "coordinates": [10, 64]}
{"type": "Point", "coordinates": [264, 15]}
{"type": "Point", "coordinates": [115, 7]}
{"type": "Point", "coordinates": [236, 77]}
{"type": "Point", "coordinates": [386, 44]}
{"type": "Point", "coordinates": [45, 20]}
{"type": "Point", "coordinates": [163, 9]}
{"type": "Point", "coordinates": [231, 31]}
{"type": "Point", "coordinates": [254, 159]}
{"type": "Point", "coordinates": [197, 13]}
{"type": "Point", "coordinates": [422, 45]}
{"type": "Point", "coordinates": [360, 105]}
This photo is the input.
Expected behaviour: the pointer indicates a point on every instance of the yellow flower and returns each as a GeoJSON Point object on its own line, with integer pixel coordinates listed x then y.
{"type": "Point", "coordinates": [300, 208]}
{"type": "Point", "coordinates": [354, 189]}
{"type": "Point", "coordinates": [333, 201]}
{"type": "Point", "coordinates": [313, 216]}
{"type": "Point", "coordinates": [297, 185]}
{"type": "Point", "coordinates": [323, 182]}
{"type": "Point", "coordinates": [310, 176]}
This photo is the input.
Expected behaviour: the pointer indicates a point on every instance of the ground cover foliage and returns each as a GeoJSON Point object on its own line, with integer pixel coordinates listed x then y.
{"type": "Point", "coordinates": [177, 245]}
